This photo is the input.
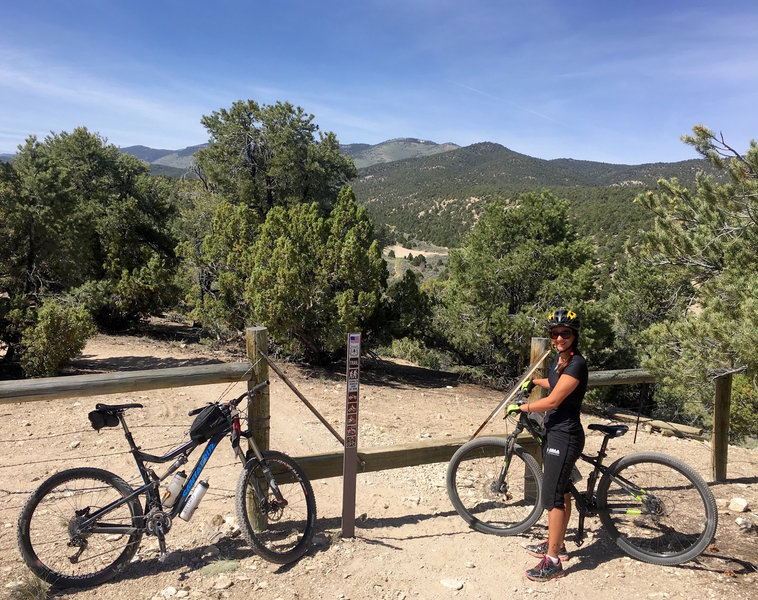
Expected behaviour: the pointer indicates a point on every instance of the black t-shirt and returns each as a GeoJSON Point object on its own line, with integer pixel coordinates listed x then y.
{"type": "Point", "coordinates": [566, 417]}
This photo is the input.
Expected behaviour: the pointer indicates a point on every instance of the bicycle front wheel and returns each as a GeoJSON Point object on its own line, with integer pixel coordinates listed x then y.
{"type": "Point", "coordinates": [59, 547]}
{"type": "Point", "coordinates": [492, 494]}
{"type": "Point", "coordinates": [657, 508]}
{"type": "Point", "coordinates": [278, 527]}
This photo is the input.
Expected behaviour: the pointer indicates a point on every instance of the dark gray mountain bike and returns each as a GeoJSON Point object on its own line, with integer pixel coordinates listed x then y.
{"type": "Point", "coordinates": [83, 526]}
{"type": "Point", "coordinates": [656, 508]}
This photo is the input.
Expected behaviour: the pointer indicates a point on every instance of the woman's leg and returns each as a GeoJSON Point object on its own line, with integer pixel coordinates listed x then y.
{"type": "Point", "coordinates": [557, 523]}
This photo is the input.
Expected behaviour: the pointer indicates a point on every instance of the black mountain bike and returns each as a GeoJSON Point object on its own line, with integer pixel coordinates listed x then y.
{"type": "Point", "coordinates": [656, 508]}
{"type": "Point", "coordinates": [82, 526]}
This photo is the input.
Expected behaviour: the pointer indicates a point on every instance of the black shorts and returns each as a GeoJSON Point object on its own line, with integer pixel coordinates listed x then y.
{"type": "Point", "coordinates": [559, 455]}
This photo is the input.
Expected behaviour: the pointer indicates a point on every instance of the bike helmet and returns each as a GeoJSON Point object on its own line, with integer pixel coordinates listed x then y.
{"type": "Point", "coordinates": [564, 317]}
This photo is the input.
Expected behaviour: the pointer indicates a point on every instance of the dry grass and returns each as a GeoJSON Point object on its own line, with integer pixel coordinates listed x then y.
{"type": "Point", "coordinates": [30, 588]}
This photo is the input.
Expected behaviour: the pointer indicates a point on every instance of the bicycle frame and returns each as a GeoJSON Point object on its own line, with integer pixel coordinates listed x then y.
{"type": "Point", "coordinates": [152, 481]}
{"type": "Point", "coordinates": [586, 502]}
{"type": "Point", "coordinates": [180, 457]}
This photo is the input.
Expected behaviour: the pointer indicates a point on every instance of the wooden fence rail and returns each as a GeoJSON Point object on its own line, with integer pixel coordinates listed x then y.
{"type": "Point", "coordinates": [320, 465]}
{"type": "Point", "coordinates": [79, 386]}
{"type": "Point", "coordinates": [382, 458]}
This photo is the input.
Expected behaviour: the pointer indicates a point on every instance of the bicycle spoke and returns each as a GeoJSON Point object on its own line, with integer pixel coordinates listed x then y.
{"type": "Point", "coordinates": [52, 536]}
{"type": "Point", "coordinates": [668, 515]}
{"type": "Point", "coordinates": [279, 526]}
{"type": "Point", "coordinates": [489, 497]}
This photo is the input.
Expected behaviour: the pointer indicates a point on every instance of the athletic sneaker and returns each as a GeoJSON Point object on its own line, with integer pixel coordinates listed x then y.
{"type": "Point", "coordinates": [546, 570]}
{"type": "Point", "coordinates": [539, 550]}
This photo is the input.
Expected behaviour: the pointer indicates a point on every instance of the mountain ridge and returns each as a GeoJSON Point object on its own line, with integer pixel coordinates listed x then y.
{"type": "Point", "coordinates": [436, 192]}
{"type": "Point", "coordinates": [438, 198]}
{"type": "Point", "coordinates": [389, 151]}
{"type": "Point", "coordinates": [366, 155]}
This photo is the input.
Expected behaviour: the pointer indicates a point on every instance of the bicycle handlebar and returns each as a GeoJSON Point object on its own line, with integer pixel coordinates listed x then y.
{"type": "Point", "coordinates": [254, 390]}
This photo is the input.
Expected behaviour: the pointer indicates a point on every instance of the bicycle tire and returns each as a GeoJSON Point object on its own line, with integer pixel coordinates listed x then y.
{"type": "Point", "coordinates": [45, 525]}
{"type": "Point", "coordinates": [682, 516]}
{"type": "Point", "coordinates": [471, 480]}
{"type": "Point", "coordinates": [282, 534]}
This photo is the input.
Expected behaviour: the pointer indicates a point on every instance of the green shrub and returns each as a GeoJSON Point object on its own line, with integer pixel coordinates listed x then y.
{"type": "Point", "coordinates": [743, 409]}
{"type": "Point", "coordinates": [134, 296]}
{"type": "Point", "coordinates": [414, 351]}
{"type": "Point", "coordinates": [59, 334]}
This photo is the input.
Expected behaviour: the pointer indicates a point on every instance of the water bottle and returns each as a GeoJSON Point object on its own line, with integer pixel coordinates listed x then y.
{"type": "Point", "coordinates": [172, 492]}
{"type": "Point", "coordinates": [194, 499]}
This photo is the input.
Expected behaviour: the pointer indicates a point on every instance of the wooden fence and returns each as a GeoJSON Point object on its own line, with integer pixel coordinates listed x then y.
{"type": "Point", "coordinates": [327, 464]}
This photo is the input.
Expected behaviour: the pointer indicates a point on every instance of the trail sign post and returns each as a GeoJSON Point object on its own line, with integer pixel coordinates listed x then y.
{"type": "Point", "coordinates": [350, 458]}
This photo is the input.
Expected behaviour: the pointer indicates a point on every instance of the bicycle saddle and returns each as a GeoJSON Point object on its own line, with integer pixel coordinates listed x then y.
{"type": "Point", "coordinates": [114, 408]}
{"type": "Point", "coordinates": [609, 430]}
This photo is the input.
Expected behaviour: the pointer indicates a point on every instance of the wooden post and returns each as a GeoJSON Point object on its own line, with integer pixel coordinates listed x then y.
{"type": "Point", "coordinates": [720, 439]}
{"type": "Point", "coordinates": [258, 408]}
{"type": "Point", "coordinates": [258, 412]}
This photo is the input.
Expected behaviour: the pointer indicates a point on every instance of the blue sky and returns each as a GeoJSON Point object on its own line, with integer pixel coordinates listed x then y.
{"type": "Point", "coordinates": [595, 80]}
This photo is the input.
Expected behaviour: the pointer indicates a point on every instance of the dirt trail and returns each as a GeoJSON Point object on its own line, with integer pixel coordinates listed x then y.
{"type": "Point", "coordinates": [409, 542]}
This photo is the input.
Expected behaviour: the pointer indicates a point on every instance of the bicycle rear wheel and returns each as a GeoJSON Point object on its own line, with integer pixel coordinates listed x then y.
{"type": "Point", "coordinates": [278, 531]}
{"type": "Point", "coordinates": [657, 508]}
{"type": "Point", "coordinates": [55, 546]}
{"type": "Point", "coordinates": [493, 497]}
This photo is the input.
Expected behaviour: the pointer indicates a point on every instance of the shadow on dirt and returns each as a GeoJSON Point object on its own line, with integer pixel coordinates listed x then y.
{"type": "Point", "coordinates": [229, 551]}
{"type": "Point", "coordinates": [182, 563]}
{"type": "Point", "coordinates": [388, 374]}
{"type": "Point", "coordinates": [603, 549]}
{"type": "Point", "coordinates": [364, 522]}
{"type": "Point", "coordinates": [731, 480]}
{"type": "Point", "coordinates": [87, 364]}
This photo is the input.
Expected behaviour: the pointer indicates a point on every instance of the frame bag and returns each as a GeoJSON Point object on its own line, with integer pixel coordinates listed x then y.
{"type": "Point", "coordinates": [208, 423]}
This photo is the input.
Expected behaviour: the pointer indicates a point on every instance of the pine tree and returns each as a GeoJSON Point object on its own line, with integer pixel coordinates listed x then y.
{"type": "Point", "coordinates": [711, 235]}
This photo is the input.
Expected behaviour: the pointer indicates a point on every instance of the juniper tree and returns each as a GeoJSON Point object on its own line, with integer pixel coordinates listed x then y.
{"type": "Point", "coordinates": [522, 257]}
{"type": "Point", "coordinates": [81, 220]}
{"type": "Point", "coordinates": [261, 158]}
{"type": "Point", "coordinates": [314, 279]}
{"type": "Point", "coordinates": [271, 155]}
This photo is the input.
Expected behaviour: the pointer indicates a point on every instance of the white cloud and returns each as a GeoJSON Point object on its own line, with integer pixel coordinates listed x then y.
{"type": "Point", "coordinates": [33, 90]}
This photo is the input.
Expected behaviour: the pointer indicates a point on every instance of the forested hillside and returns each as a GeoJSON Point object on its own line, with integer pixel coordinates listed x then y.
{"type": "Point", "coordinates": [436, 192]}
{"type": "Point", "coordinates": [439, 198]}
{"type": "Point", "coordinates": [280, 229]}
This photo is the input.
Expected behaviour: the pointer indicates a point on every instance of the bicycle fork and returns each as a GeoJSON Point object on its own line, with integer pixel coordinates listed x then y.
{"type": "Point", "coordinates": [278, 498]}
{"type": "Point", "coordinates": [500, 485]}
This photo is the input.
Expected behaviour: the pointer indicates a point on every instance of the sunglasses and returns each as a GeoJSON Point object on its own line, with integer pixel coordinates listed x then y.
{"type": "Point", "coordinates": [563, 333]}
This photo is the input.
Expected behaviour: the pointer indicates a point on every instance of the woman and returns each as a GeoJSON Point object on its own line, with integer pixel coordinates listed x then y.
{"type": "Point", "coordinates": [564, 441]}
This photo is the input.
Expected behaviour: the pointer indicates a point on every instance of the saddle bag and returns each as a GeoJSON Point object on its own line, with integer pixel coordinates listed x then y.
{"type": "Point", "coordinates": [100, 418]}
